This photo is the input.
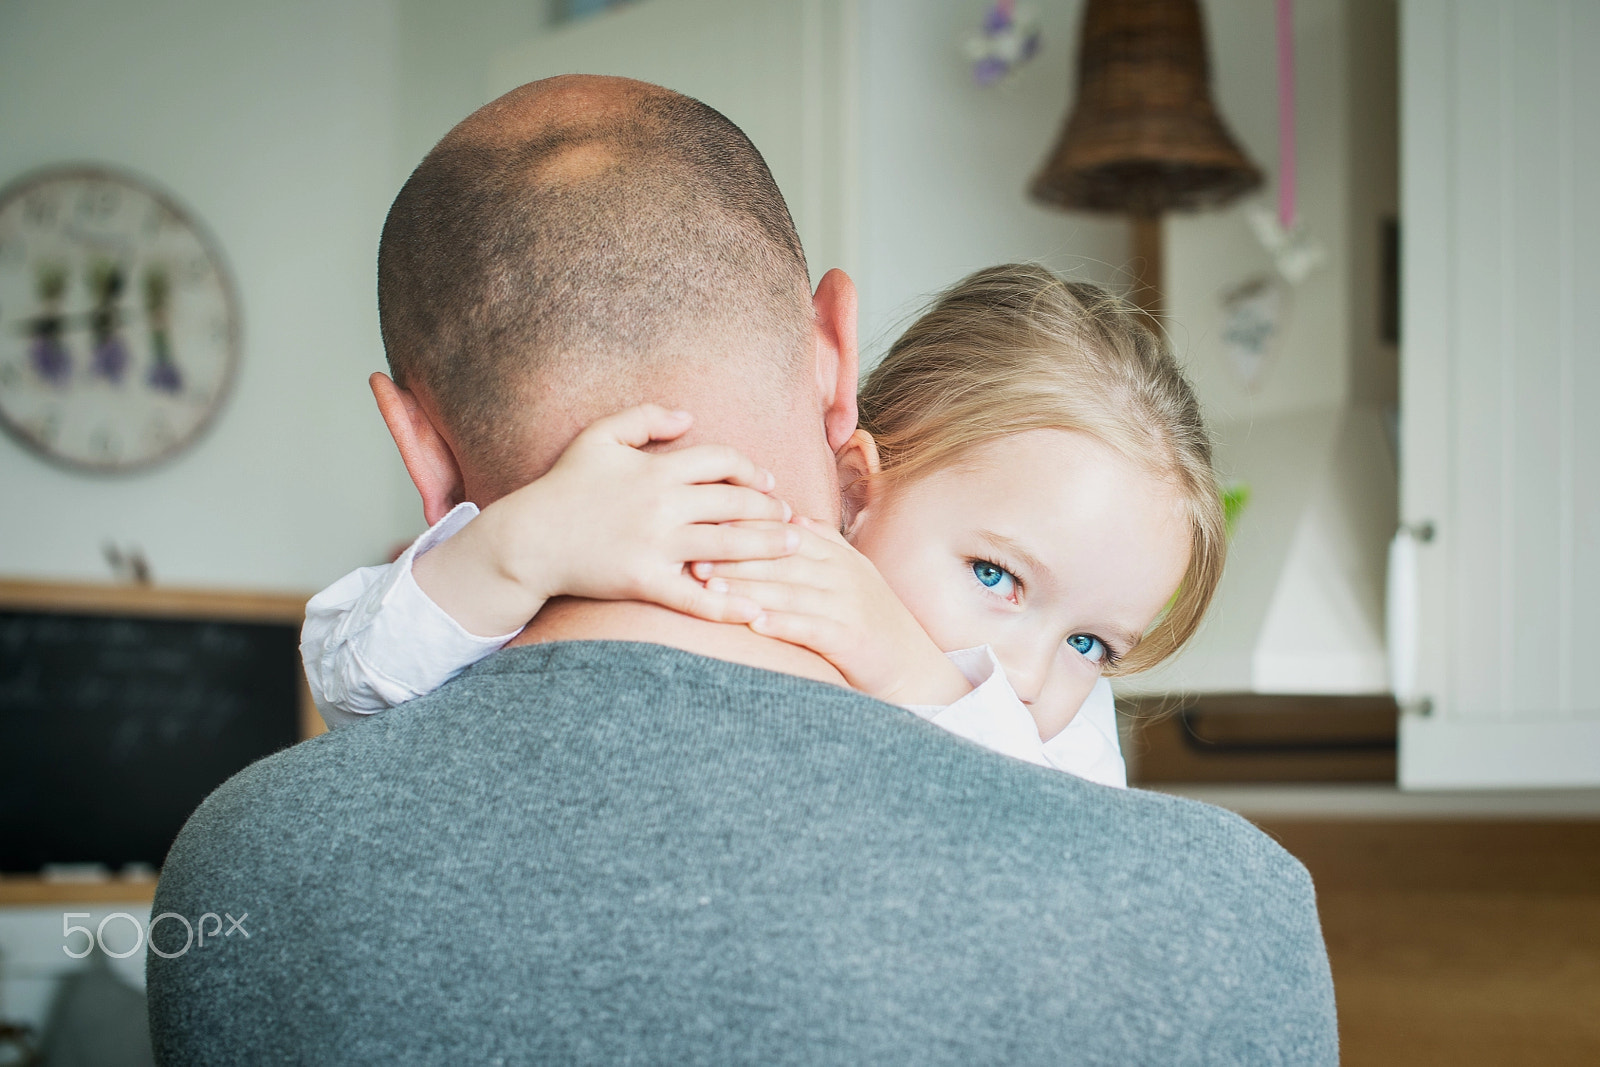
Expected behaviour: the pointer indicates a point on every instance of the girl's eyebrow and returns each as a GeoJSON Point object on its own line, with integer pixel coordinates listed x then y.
{"type": "Point", "coordinates": [1007, 545]}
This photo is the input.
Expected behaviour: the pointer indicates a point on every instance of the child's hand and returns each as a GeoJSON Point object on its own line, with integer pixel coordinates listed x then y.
{"type": "Point", "coordinates": [830, 598]}
{"type": "Point", "coordinates": [610, 522]}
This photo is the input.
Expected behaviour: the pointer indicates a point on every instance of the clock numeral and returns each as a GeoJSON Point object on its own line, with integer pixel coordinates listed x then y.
{"type": "Point", "coordinates": [41, 209]}
{"type": "Point", "coordinates": [160, 433]}
{"type": "Point", "coordinates": [105, 445]}
{"type": "Point", "coordinates": [197, 271]}
{"type": "Point", "coordinates": [47, 429]}
{"type": "Point", "coordinates": [154, 220]}
{"type": "Point", "coordinates": [97, 203]}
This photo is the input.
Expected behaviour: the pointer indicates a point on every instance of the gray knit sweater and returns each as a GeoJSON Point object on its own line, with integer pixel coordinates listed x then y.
{"type": "Point", "coordinates": [605, 852]}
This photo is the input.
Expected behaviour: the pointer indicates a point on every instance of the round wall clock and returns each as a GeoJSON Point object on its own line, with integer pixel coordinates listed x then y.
{"type": "Point", "coordinates": [119, 325]}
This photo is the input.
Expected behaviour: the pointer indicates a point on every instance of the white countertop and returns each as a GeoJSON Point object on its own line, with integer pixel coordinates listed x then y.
{"type": "Point", "coordinates": [1366, 801]}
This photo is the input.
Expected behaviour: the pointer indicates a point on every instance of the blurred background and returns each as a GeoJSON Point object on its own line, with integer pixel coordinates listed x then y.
{"type": "Point", "coordinates": [1396, 679]}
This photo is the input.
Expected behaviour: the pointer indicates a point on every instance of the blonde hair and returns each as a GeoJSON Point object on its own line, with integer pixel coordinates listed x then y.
{"type": "Point", "coordinates": [1015, 348]}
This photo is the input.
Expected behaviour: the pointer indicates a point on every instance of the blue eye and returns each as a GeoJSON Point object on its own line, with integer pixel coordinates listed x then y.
{"type": "Point", "coordinates": [993, 577]}
{"type": "Point", "coordinates": [1088, 646]}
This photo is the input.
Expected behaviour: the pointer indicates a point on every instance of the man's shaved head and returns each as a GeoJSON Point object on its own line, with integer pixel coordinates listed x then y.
{"type": "Point", "coordinates": [572, 236]}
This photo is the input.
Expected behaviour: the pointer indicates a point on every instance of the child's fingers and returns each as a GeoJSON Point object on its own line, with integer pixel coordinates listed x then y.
{"type": "Point", "coordinates": [718, 463]}
{"type": "Point", "coordinates": [792, 597]}
{"type": "Point", "coordinates": [822, 635]}
{"type": "Point", "coordinates": [638, 426]}
{"type": "Point", "coordinates": [795, 568]}
{"type": "Point", "coordinates": [811, 548]}
{"type": "Point", "coordinates": [752, 569]}
{"type": "Point", "coordinates": [721, 502]}
{"type": "Point", "coordinates": [737, 541]}
{"type": "Point", "coordinates": [821, 530]}
{"type": "Point", "coordinates": [682, 593]}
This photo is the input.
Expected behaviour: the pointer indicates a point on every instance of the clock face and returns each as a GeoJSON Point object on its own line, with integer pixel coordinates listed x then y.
{"type": "Point", "coordinates": [119, 327]}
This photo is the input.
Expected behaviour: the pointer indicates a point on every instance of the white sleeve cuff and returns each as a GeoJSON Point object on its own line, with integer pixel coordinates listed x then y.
{"type": "Point", "coordinates": [391, 643]}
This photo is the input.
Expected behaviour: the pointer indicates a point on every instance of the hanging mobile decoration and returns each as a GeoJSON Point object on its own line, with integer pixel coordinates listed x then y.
{"type": "Point", "coordinates": [1253, 316]}
{"type": "Point", "coordinates": [1256, 311]}
{"type": "Point", "coordinates": [1009, 38]}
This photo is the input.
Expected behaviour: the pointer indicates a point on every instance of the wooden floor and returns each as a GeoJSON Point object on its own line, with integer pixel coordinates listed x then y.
{"type": "Point", "coordinates": [1459, 943]}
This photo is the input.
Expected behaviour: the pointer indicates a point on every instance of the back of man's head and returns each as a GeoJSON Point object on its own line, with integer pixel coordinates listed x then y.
{"type": "Point", "coordinates": [572, 245]}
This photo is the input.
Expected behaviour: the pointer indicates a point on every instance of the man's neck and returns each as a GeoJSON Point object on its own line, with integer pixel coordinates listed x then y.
{"type": "Point", "coordinates": [572, 619]}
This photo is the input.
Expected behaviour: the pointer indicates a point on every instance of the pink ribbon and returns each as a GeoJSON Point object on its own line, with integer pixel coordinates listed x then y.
{"type": "Point", "coordinates": [1286, 206]}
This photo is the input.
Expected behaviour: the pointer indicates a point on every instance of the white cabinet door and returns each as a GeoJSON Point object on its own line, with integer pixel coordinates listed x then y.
{"type": "Point", "coordinates": [1500, 389]}
{"type": "Point", "coordinates": [783, 70]}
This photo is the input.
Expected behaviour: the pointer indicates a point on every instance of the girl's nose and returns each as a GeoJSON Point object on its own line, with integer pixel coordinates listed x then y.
{"type": "Point", "coordinates": [1026, 669]}
{"type": "Point", "coordinates": [1059, 699]}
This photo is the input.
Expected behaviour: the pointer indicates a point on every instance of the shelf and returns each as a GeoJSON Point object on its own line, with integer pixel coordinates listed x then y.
{"type": "Point", "coordinates": [28, 890]}
{"type": "Point", "coordinates": [1359, 801]}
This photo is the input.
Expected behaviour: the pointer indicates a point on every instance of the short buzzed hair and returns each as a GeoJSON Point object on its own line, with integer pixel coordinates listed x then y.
{"type": "Point", "coordinates": [586, 250]}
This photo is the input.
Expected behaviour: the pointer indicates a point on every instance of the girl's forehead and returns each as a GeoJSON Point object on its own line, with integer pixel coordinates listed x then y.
{"type": "Point", "coordinates": [1057, 493]}
{"type": "Point", "coordinates": [1048, 461]}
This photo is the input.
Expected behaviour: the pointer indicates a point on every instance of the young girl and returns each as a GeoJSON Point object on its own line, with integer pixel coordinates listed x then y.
{"type": "Point", "coordinates": [1029, 509]}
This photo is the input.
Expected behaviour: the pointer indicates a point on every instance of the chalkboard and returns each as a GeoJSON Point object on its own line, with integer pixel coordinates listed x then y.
{"type": "Point", "coordinates": [114, 727]}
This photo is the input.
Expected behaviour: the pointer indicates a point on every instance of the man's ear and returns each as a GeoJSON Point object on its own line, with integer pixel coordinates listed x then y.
{"type": "Point", "coordinates": [837, 360]}
{"type": "Point", "coordinates": [426, 454]}
{"type": "Point", "coordinates": [858, 472]}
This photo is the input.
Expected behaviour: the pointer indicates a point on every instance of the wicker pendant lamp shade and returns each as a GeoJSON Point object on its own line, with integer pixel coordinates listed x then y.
{"type": "Point", "coordinates": [1143, 137]}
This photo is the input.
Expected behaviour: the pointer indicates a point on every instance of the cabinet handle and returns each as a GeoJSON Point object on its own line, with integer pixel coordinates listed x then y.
{"type": "Point", "coordinates": [1403, 616]}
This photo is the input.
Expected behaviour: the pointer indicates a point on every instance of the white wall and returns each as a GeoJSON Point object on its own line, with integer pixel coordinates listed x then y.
{"type": "Point", "coordinates": [274, 123]}
{"type": "Point", "coordinates": [444, 59]}
{"type": "Point", "coordinates": [946, 164]}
